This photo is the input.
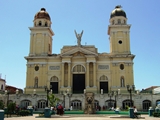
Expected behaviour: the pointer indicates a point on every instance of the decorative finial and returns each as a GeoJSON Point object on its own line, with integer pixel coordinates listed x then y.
{"type": "Point", "coordinates": [43, 9]}
{"type": "Point", "coordinates": [118, 6]}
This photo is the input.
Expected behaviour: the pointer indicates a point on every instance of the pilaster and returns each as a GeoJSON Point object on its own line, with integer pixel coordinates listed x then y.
{"type": "Point", "coordinates": [94, 74]}
{"type": "Point", "coordinates": [87, 76]}
{"type": "Point", "coordinates": [69, 74]}
{"type": "Point", "coordinates": [31, 43]}
{"type": "Point", "coordinates": [34, 44]}
{"type": "Point", "coordinates": [62, 81]}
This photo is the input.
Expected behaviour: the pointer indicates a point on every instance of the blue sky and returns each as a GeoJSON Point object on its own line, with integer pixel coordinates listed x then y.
{"type": "Point", "coordinates": [92, 16]}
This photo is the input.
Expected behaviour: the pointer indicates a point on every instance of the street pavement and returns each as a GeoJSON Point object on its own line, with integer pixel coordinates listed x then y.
{"type": "Point", "coordinates": [81, 117]}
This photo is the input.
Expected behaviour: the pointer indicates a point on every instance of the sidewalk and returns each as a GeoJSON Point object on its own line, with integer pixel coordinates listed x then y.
{"type": "Point", "coordinates": [80, 117]}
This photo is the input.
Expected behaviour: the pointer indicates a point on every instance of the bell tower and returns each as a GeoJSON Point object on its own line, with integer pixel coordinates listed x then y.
{"type": "Point", "coordinates": [122, 59]}
{"type": "Point", "coordinates": [41, 34]}
{"type": "Point", "coordinates": [119, 32]}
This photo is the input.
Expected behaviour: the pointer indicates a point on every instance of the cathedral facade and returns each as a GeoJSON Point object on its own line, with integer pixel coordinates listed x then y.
{"type": "Point", "coordinates": [79, 68]}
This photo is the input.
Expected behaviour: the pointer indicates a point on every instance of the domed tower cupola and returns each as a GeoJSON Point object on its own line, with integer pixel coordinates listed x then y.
{"type": "Point", "coordinates": [118, 16]}
{"type": "Point", "coordinates": [42, 19]}
{"type": "Point", "coordinates": [41, 34]}
{"type": "Point", "coordinates": [119, 32]}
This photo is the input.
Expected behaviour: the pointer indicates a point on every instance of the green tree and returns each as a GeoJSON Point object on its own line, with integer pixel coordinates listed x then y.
{"type": "Point", "coordinates": [52, 99]}
{"type": "Point", "coordinates": [11, 107]}
{"type": "Point", "coordinates": [1, 104]}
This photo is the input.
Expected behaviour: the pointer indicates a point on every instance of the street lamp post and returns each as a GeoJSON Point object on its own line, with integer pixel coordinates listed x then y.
{"type": "Point", "coordinates": [110, 94]}
{"type": "Point", "coordinates": [7, 93]}
{"type": "Point", "coordinates": [47, 90]}
{"type": "Point", "coordinates": [130, 88]}
{"type": "Point", "coordinates": [69, 95]}
{"type": "Point", "coordinates": [116, 93]}
{"type": "Point", "coordinates": [17, 92]}
{"type": "Point", "coordinates": [64, 93]}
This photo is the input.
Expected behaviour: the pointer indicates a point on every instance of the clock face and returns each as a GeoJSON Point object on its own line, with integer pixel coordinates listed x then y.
{"type": "Point", "coordinates": [36, 68]}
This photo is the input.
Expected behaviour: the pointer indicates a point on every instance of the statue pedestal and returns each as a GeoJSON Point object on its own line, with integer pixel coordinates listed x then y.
{"type": "Point", "coordinates": [89, 103]}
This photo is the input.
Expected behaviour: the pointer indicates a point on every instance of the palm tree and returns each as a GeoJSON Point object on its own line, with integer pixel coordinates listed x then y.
{"type": "Point", "coordinates": [52, 100]}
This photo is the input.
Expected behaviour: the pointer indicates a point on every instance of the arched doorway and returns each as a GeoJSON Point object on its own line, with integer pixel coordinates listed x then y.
{"type": "Point", "coordinates": [78, 79]}
{"type": "Point", "coordinates": [146, 104]}
{"type": "Point", "coordinates": [54, 84]}
{"type": "Point", "coordinates": [41, 104]}
{"type": "Point", "coordinates": [157, 102]}
{"type": "Point", "coordinates": [25, 104]}
{"type": "Point", "coordinates": [126, 104]}
{"type": "Point", "coordinates": [76, 105]}
{"type": "Point", "coordinates": [104, 84]}
{"type": "Point", "coordinates": [109, 104]}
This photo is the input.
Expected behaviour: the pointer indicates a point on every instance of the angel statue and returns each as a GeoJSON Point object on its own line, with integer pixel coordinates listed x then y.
{"type": "Point", "coordinates": [78, 37]}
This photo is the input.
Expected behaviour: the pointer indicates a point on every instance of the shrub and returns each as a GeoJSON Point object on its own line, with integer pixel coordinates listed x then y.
{"type": "Point", "coordinates": [156, 114]}
{"type": "Point", "coordinates": [24, 112]}
{"type": "Point", "coordinates": [41, 114]}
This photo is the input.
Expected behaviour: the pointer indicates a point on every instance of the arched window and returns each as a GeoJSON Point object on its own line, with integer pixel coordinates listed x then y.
{"type": "Point", "coordinates": [79, 69]}
{"type": "Point", "coordinates": [41, 104]}
{"type": "Point", "coordinates": [46, 24]}
{"type": "Point", "coordinates": [113, 22]}
{"type": "Point", "coordinates": [54, 79]}
{"type": "Point", "coordinates": [122, 81]}
{"type": "Point", "coordinates": [36, 82]}
{"type": "Point", "coordinates": [157, 101]}
{"type": "Point", "coordinates": [40, 23]}
{"type": "Point", "coordinates": [124, 21]}
{"type": "Point", "coordinates": [146, 104]}
{"type": "Point", "coordinates": [103, 77]}
{"type": "Point", "coordinates": [1, 87]}
{"type": "Point", "coordinates": [119, 21]}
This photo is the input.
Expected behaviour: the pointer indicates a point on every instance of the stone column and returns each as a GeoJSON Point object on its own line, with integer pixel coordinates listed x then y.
{"type": "Point", "coordinates": [62, 81]}
{"type": "Point", "coordinates": [87, 77]}
{"type": "Point", "coordinates": [128, 41]}
{"type": "Point", "coordinates": [69, 74]}
{"type": "Point", "coordinates": [94, 74]}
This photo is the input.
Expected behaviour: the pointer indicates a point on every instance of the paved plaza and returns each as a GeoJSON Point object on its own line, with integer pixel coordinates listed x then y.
{"type": "Point", "coordinates": [81, 117]}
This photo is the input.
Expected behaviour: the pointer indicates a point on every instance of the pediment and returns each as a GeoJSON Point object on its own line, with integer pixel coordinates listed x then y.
{"type": "Point", "coordinates": [78, 52]}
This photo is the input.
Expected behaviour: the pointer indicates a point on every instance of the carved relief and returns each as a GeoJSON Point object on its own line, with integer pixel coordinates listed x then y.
{"type": "Point", "coordinates": [103, 67]}
{"type": "Point", "coordinates": [54, 67]}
